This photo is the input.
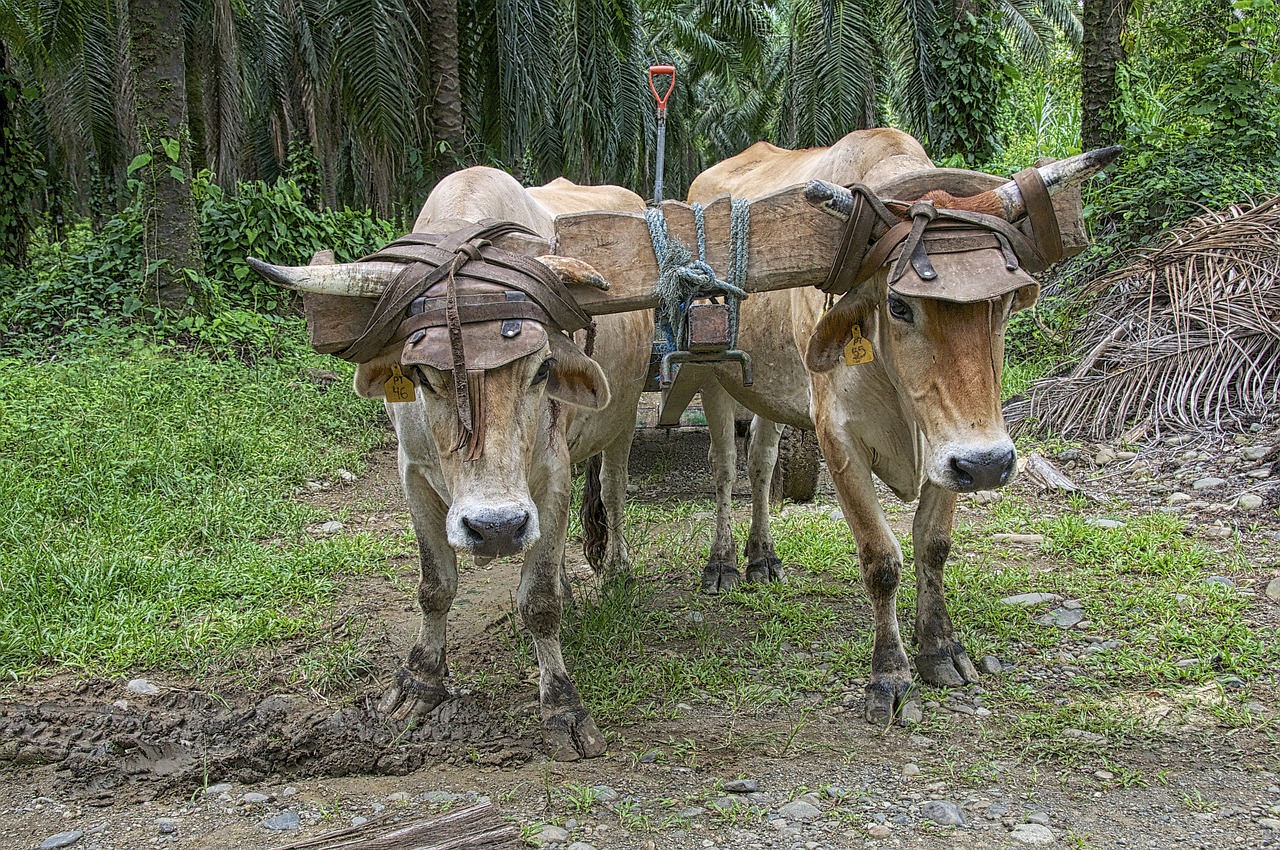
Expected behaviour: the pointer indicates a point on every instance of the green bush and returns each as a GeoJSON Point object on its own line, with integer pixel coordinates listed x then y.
{"type": "Point", "coordinates": [88, 286]}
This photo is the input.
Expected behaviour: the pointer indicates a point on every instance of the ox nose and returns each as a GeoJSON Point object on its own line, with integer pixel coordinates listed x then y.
{"type": "Point", "coordinates": [984, 470]}
{"type": "Point", "coordinates": [496, 532]}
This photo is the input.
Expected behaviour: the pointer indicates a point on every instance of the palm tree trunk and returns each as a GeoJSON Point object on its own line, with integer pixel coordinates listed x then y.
{"type": "Point", "coordinates": [445, 81]}
{"type": "Point", "coordinates": [171, 244]}
{"type": "Point", "coordinates": [14, 216]}
{"type": "Point", "coordinates": [1100, 53]}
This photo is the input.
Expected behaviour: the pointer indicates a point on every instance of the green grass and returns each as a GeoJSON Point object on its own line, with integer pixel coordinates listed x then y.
{"type": "Point", "coordinates": [146, 510]}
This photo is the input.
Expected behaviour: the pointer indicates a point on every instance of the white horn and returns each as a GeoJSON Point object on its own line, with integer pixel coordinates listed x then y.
{"type": "Point", "coordinates": [1057, 176]}
{"type": "Point", "coordinates": [358, 280]}
{"type": "Point", "coordinates": [573, 272]}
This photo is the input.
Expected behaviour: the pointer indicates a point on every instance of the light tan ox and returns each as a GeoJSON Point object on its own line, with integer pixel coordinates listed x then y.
{"type": "Point", "coordinates": [545, 411]}
{"type": "Point", "coordinates": [924, 417]}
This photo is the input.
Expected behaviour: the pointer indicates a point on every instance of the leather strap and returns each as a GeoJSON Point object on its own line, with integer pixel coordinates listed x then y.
{"type": "Point", "coordinates": [1040, 214]}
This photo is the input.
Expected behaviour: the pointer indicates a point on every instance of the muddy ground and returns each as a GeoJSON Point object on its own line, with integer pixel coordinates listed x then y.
{"type": "Point", "coordinates": [132, 770]}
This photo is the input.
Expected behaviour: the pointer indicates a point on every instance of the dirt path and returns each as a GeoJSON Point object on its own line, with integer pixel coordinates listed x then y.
{"type": "Point", "coordinates": [216, 765]}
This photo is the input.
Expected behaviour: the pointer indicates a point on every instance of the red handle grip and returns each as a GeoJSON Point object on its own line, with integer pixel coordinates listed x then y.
{"type": "Point", "coordinates": [658, 71]}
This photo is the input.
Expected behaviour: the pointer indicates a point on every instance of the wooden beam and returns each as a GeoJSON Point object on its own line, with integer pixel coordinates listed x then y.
{"type": "Point", "coordinates": [791, 243]}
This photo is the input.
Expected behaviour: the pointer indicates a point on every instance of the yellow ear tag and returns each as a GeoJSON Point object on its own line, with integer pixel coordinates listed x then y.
{"type": "Point", "coordinates": [398, 388]}
{"type": "Point", "coordinates": [858, 350]}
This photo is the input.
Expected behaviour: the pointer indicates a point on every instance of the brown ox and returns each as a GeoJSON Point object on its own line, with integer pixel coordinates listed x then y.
{"type": "Point", "coordinates": [924, 416]}
{"type": "Point", "coordinates": [545, 411]}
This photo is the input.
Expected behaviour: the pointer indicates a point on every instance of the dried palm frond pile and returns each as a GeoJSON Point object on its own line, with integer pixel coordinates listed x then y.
{"type": "Point", "coordinates": [1188, 337]}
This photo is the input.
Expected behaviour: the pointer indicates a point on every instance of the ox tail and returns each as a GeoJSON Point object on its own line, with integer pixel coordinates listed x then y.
{"type": "Point", "coordinates": [595, 522]}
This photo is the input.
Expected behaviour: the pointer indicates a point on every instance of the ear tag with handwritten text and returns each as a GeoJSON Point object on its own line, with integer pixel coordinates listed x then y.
{"type": "Point", "coordinates": [398, 388]}
{"type": "Point", "coordinates": [858, 350]}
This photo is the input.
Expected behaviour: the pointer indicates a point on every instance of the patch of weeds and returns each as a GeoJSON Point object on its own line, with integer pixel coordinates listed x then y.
{"type": "Point", "coordinates": [736, 813]}
{"type": "Point", "coordinates": [632, 817]}
{"type": "Point", "coordinates": [1197, 802]}
{"type": "Point", "coordinates": [333, 665]}
{"type": "Point", "coordinates": [579, 798]}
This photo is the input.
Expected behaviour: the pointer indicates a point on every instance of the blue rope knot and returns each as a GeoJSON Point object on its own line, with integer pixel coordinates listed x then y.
{"type": "Point", "coordinates": [682, 279]}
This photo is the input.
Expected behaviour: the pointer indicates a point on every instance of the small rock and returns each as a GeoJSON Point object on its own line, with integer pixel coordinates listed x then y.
{"type": "Point", "coordinates": [359, 821]}
{"type": "Point", "coordinates": [800, 810]}
{"type": "Point", "coordinates": [551, 834]}
{"type": "Point", "coordinates": [62, 839]}
{"type": "Point", "coordinates": [1207, 483]}
{"type": "Point", "coordinates": [1255, 452]}
{"type": "Point", "coordinates": [1021, 539]}
{"type": "Point", "coordinates": [440, 797]}
{"type": "Point", "coordinates": [1266, 823]}
{"type": "Point", "coordinates": [283, 822]}
{"type": "Point", "coordinates": [1177, 499]}
{"type": "Point", "coordinates": [1027, 600]}
{"type": "Point", "coordinates": [346, 475]}
{"type": "Point", "coordinates": [1273, 589]}
{"type": "Point", "coordinates": [604, 793]}
{"type": "Point", "coordinates": [985, 497]}
{"type": "Point", "coordinates": [990, 665]}
{"type": "Point", "coordinates": [1104, 775]}
{"type": "Point", "coordinates": [143, 687]}
{"type": "Point", "coordinates": [1187, 663]}
{"type": "Point", "coordinates": [943, 812]}
{"type": "Point", "coordinates": [1222, 580]}
{"type": "Point", "coordinates": [879, 830]}
{"type": "Point", "coordinates": [331, 527]}
{"type": "Point", "coordinates": [1104, 456]}
{"type": "Point", "coordinates": [1125, 455]}
{"type": "Point", "coordinates": [911, 769]}
{"type": "Point", "coordinates": [1178, 440]}
{"type": "Point", "coordinates": [166, 826]}
{"type": "Point", "coordinates": [288, 791]}
{"type": "Point", "coordinates": [1081, 735]}
{"type": "Point", "coordinates": [742, 786]}
{"type": "Point", "coordinates": [581, 845]}
{"type": "Point", "coordinates": [215, 790]}
{"type": "Point", "coordinates": [400, 796]}
{"type": "Point", "coordinates": [1259, 473]}
{"type": "Point", "coordinates": [1249, 501]}
{"type": "Point", "coordinates": [1041, 818]}
{"type": "Point", "coordinates": [1032, 833]}
{"type": "Point", "coordinates": [1104, 523]}
{"type": "Point", "coordinates": [1063, 618]}
{"type": "Point", "coordinates": [692, 811]}
{"type": "Point", "coordinates": [910, 714]}
{"type": "Point", "coordinates": [256, 798]}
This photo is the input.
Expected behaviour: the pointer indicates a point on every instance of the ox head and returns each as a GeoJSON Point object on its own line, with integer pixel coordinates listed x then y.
{"type": "Point", "coordinates": [496, 439]}
{"type": "Point", "coordinates": [937, 329]}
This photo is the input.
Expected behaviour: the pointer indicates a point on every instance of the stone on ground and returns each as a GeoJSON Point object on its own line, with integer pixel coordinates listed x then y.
{"type": "Point", "coordinates": [1032, 833]}
{"type": "Point", "coordinates": [943, 812]}
{"type": "Point", "coordinates": [800, 810]}
{"type": "Point", "coordinates": [62, 839]}
{"type": "Point", "coordinates": [283, 822]}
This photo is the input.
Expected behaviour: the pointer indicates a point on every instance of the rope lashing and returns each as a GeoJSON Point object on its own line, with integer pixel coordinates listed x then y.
{"type": "Point", "coordinates": [682, 278]}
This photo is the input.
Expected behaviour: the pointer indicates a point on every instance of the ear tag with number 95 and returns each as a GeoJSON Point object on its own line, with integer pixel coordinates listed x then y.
{"type": "Point", "coordinates": [858, 350]}
{"type": "Point", "coordinates": [398, 388]}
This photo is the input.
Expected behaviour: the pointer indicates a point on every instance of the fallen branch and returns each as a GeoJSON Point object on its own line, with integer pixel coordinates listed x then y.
{"type": "Point", "coordinates": [1047, 475]}
{"type": "Point", "coordinates": [472, 828]}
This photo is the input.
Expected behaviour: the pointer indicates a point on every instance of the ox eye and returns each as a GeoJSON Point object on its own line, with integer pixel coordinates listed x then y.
{"type": "Point", "coordinates": [543, 371]}
{"type": "Point", "coordinates": [899, 310]}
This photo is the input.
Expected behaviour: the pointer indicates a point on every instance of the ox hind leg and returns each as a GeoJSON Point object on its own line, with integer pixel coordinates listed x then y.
{"type": "Point", "coordinates": [721, 572]}
{"type": "Point", "coordinates": [762, 455]}
{"type": "Point", "coordinates": [419, 685]}
{"type": "Point", "coordinates": [941, 660]}
{"type": "Point", "coordinates": [613, 492]}
{"type": "Point", "coordinates": [880, 558]}
{"type": "Point", "coordinates": [567, 727]}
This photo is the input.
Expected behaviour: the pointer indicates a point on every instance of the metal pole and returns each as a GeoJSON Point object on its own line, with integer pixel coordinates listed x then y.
{"type": "Point", "coordinates": [659, 71]}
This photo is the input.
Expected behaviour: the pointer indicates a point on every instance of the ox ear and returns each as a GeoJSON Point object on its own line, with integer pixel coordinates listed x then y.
{"type": "Point", "coordinates": [1025, 296]}
{"type": "Point", "coordinates": [371, 378]}
{"type": "Point", "coordinates": [575, 378]}
{"type": "Point", "coordinates": [835, 328]}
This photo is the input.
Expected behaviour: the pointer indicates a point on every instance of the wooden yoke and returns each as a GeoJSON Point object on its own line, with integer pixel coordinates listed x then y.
{"type": "Point", "coordinates": [791, 244]}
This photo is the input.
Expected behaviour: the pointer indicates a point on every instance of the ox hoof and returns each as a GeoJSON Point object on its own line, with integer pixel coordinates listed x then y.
{"type": "Point", "coordinates": [889, 699]}
{"type": "Point", "coordinates": [948, 666]}
{"type": "Point", "coordinates": [717, 578]}
{"type": "Point", "coordinates": [411, 699]}
{"type": "Point", "coordinates": [571, 734]}
{"type": "Point", "coordinates": [765, 570]}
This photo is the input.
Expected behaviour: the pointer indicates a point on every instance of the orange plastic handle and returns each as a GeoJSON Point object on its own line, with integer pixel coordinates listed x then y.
{"type": "Point", "coordinates": [658, 71]}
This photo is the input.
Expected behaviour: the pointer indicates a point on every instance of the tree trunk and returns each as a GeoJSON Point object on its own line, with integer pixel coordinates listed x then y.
{"type": "Point", "coordinates": [1100, 53]}
{"type": "Point", "coordinates": [444, 84]}
{"type": "Point", "coordinates": [171, 244]}
{"type": "Point", "coordinates": [16, 176]}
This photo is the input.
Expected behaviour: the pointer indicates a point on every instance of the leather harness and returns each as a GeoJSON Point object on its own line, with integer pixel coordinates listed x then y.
{"type": "Point", "coordinates": [460, 281]}
{"type": "Point", "coordinates": [1033, 246]}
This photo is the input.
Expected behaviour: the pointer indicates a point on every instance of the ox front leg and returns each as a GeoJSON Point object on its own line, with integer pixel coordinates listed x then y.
{"type": "Point", "coordinates": [721, 572]}
{"type": "Point", "coordinates": [567, 727]}
{"type": "Point", "coordinates": [941, 660]}
{"type": "Point", "coordinates": [419, 685]}
{"type": "Point", "coordinates": [880, 557]}
{"type": "Point", "coordinates": [762, 559]}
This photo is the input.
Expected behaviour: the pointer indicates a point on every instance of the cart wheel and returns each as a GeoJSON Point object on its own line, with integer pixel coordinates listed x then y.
{"type": "Point", "coordinates": [799, 459]}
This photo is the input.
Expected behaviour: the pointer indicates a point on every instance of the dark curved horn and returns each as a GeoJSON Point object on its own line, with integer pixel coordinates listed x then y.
{"type": "Point", "coordinates": [359, 280]}
{"type": "Point", "coordinates": [835, 200]}
{"type": "Point", "coordinates": [1057, 176]}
